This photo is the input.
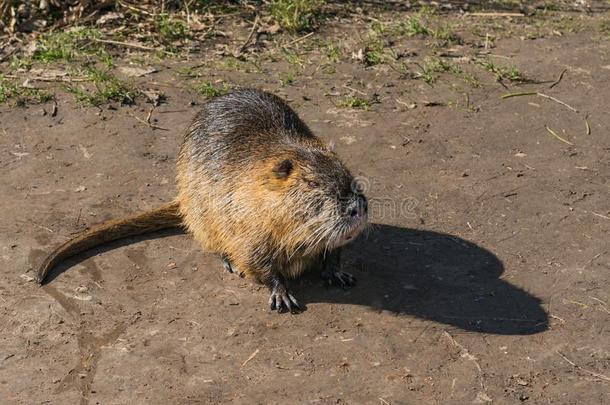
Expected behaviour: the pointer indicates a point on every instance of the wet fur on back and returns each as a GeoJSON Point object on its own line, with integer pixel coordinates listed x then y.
{"type": "Point", "coordinates": [258, 187]}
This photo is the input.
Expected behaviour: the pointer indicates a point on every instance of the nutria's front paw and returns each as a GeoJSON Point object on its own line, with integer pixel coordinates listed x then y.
{"type": "Point", "coordinates": [339, 278]}
{"type": "Point", "coordinates": [283, 301]}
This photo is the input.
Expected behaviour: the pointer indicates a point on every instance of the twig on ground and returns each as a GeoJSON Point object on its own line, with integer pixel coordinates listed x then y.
{"type": "Point", "coordinates": [556, 82]}
{"type": "Point", "coordinates": [80, 211]}
{"type": "Point", "coordinates": [494, 15]}
{"type": "Point", "coordinates": [250, 358]}
{"type": "Point", "coordinates": [153, 126]}
{"type": "Point", "coordinates": [137, 10]}
{"type": "Point", "coordinates": [536, 93]}
{"type": "Point", "coordinates": [588, 131]}
{"type": "Point", "coordinates": [254, 25]}
{"type": "Point", "coordinates": [600, 215]}
{"type": "Point", "coordinates": [558, 318]}
{"type": "Point", "coordinates": [188, 11]}
{"type": "Point", "coordinates": [500, 56]}
{"type": "Point", "coordinates": [557, 136]}
{"type": "Point", "coordinates": [603, 304]}
{"type": "Point", "coordinates": [150, 113]}
{"type": "Point", "coordinates": [51, 79]}
{"type": "Point", "coordinates": [558, 101]}
{"type": "Point", "coordinates": [594, 257]}
{"type": "Point", "coordinates": [464, 353]}
{"type": "Point", "coordinates": [41, 226]}
{"type": "Point", "coordinates": [129, 45]}
{"type": "Point", "coordinates": [529, 93]}
{"type": "Point", "coordinates": [300, 39]}
{"type": "Point", "coordinates": [488, 53]}
{"type": "Point", "coordinates": [355, 90]}
{"type": "Point", "coordinates": [172, 111]}
{"type": "Point", "coordinates": [410, 106]}
{"type": "Point", "coordinates": [593, 373]}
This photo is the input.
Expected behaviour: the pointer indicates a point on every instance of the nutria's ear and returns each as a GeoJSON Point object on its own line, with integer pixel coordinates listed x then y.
{"type": "Point", "coordinates": [283, 169]}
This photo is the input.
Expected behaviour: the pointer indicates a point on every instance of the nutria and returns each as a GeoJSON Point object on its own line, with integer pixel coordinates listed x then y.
{"type": "Point", "coordinates": [256, 186]}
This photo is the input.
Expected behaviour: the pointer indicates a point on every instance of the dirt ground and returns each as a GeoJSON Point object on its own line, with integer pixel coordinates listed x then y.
{"type": "Point", "coordinates": [485, 277]}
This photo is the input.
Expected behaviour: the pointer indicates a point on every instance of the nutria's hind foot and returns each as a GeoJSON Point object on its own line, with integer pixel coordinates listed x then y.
{"type": "Point", "coordinates": [339, 278]}
{"type": "Point", "coordinates": [280, 299]}
{"type": "Point", "coordinates": [283, 301]}
{"type": "Point", "coordinates": [226, 263]}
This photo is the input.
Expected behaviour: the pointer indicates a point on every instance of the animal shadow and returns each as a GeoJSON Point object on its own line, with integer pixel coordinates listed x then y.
{"type": "Point", "coordinates": [429, 275]}
{"type": "Point", "coordinates": [433, 276]}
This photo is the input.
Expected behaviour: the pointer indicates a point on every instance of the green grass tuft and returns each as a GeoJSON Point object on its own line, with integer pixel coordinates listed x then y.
{"type": "Point", "coordinates": [20, 63]}
{"type": "Point", "coordinates": [432, 66]}
{"type": "Point", "coordinates": [287, 80]}
{"type": "Point", "coordinates": [604, 27]}
{"type": "Point", "coordinates": [425, 23]}
{"type": "Point", "coordinates": [11, 92]}
{"type": "Point", "coordinates": [208, 89]}
{"type": "Point", "coordinates": [503, 73]}
{"type": "Point", "coordinates": [373, 52]}
{"type": "Point", "coordinates": [67, 46]}
{"type": "Point", "coordinates": [107, 87]}
{"type": "Point", "coordinates": [171, 29]}
{"type": "Point", "coordinates": [292, 57]}
{"type": "Point", "coordinates": [413, 26]}
{"type": "Point", "coordinates": [296, 15]}
{"type": "Point", "coordinates": [352, 101]}
{"type": "Point", "coordinates": [444, 35]}
{"type": "Point", "coordinates": [333, 53]}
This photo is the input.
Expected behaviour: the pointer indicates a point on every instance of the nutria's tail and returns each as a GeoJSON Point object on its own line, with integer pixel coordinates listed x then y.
{"type": "Point", "coordinates": [166, 216]}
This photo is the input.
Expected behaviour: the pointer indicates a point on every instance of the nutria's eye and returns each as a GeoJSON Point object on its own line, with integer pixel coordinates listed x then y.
{"type": "Point", "coordinates": [313, 184]}
{"type": "Point", "coordinates": [283, 169]}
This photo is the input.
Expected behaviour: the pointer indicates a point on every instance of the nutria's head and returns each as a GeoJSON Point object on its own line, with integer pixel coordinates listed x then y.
{"type": "Point", "coordinates": [315, 199]}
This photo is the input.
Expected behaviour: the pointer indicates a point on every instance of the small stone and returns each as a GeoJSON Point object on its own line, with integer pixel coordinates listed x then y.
{"type": "Point", "coordinates": [521, 381]}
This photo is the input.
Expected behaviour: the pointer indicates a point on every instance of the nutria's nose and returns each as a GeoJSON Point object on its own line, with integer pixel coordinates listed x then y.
{"type": "Point", "coordinates": [358, 207]}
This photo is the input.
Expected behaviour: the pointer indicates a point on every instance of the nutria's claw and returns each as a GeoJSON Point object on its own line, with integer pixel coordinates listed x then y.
{"type": "Point", "coordinates": [339, 278]}
{"type": "Point", "coordinates": [282, 301]}
{"type": "Point", "coordinates": [231, 268]}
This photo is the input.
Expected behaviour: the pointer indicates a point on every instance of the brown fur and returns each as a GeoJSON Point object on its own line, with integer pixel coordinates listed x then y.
{"type": "Point", "coordinates": [235, 203]}
{"type": "Point", "coordinates": [254, 185]}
